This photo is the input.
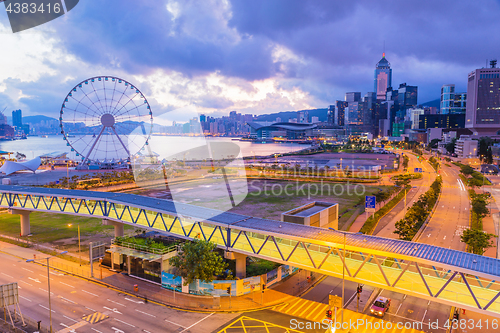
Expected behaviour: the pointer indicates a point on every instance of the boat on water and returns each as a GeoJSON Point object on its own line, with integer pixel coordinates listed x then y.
{"type": "Point", "coordinates": [45, 136]}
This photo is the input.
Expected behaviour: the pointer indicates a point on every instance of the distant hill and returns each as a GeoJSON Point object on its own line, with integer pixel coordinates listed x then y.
{"type": "Point", "coordinates": [286, 115]}
{"type": "Point", "coordinates": [436, 103]}
{"type": "Point", "coordinates": [36, 119]}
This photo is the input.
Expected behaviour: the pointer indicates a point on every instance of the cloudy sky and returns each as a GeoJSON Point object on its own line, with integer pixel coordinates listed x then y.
{"type": "Point", "coordinates": [255, 56]}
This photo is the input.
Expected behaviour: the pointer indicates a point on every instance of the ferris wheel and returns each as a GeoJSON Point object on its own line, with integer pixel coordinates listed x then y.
{"type": "Point", "coordinates": [105, 119]}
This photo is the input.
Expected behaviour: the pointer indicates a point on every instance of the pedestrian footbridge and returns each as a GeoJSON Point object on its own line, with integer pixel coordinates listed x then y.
{"type": "Point", "coordinates": [433, 273]}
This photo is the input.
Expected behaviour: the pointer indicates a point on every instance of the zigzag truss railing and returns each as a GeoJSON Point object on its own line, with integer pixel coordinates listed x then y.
{"type": "Point", "coordinates": [407, 275]}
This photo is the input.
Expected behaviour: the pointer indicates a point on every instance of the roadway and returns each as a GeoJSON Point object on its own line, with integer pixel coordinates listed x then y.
{"type": "Point", "coordinates": [444, 229]}
{"type": "Point", "coordinates": [74, 298]}
{"type": "Point", "coordinates": [386, 226]}
{"type": "Point", "coordinates": [451, 216]}
{"type": "Point", "coordinates": [403, 308]}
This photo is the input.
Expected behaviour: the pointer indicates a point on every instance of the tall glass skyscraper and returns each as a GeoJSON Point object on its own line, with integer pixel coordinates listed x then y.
{"type": "Point", "coordinates": [452, 102]}
{"type": "Point", "coordinates": [383, 77]}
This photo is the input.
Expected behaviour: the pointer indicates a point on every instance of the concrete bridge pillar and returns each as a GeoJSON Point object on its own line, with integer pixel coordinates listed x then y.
{"type": "Point", "coordinates": [118, 227]}
{"type": "Point", "coordinates": [241, 263]}
{"type": "Point", "coordinates": [25, 220]}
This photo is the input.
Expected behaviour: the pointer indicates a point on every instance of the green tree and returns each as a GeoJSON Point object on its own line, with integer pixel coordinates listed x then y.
{"type": "Point", "coordinates": [479, 205]}
{"type": "Point", "coordinates": [466, 170]}
{"type": "Point", "coordinates": [477, 240]}
{"type": "Point", "coordinates": [433, 143]}
{"type": "Point", "coordinates": [484, 144]}
{"type": "Point", "coordinates": [450, 147]}
{"type": "Point", "coordinates": [489, 156]}
{"type": "Point", "coordinates": [198, 260]}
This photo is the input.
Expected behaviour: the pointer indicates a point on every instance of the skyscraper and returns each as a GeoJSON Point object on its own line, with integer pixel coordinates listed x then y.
{"type": "Point", "coordinates": [355, 114]}
{"type": "Point", "coordinates": [336, 113]}
{"type": "Point", "coordinates": [383, 77]}
{"type": "Point", "coordinates": [407, 98]}
{"type": "Point", "coordinates": [17, 119]}
{"type": "Point", "coordinates": [452, 102]}
{"type": "Point", "coordinates": [482, 114]}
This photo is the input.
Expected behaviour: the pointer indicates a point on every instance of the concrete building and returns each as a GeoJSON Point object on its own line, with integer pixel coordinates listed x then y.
{"type": "Point", "coordinates": [413, 116]}
{"type": "Point", "coordinates": [303, 117]}
{"type": "Point", "coordinates": [17, 119]}
{"type": "Point", "coordinates": [315, 214]}
{"type": "Point", "coordinates": [465, 147]}
{"type": "Point", "coordinates": [483, 106]}
{"type": "Point", "coordinates": [452, 121]}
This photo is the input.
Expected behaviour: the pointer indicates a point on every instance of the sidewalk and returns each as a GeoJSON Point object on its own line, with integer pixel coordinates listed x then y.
{"type": "Point", "coordinates": [491, 225]}
{"type": "Point", "coordinates": [292, 286]}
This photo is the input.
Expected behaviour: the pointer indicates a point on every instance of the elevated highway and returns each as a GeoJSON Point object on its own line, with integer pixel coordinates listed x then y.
{"type": "Point", "coordinates": [429, 272]}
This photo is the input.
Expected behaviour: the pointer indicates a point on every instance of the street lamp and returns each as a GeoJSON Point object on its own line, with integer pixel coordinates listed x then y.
{"type": "Point", "coordinates": [79, 249]}
{"type": "Point", "coordinates": [48, 285]}
{"type": "Point", "coordinates": [405, 195]}
{"type": "Point", "coordinates": [343, 277]}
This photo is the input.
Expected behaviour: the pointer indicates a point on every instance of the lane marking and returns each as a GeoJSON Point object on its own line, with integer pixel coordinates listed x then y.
{"type": "Point", "coordinates": [90, 309]}
{"type": "Point", "coordinates": [121, 321]}
{"type": "Point", "coordinates": [70, 319]}
{"type": "Point", "coordinates": [147, 314]}
{"type": "Point", "coordinates": [67, 299]}
{"type": "Point", "coordinates": [29, 284]}
{"type": "Point", "coordinates": [40, 305]}
{"type": "Point", "coordinates": [399, 307]}
{"type": "Point", "coordinates": [424, 316]}
{"type": "Point", "coordinates": [114, 310]}
{"type": "Point", "coordinates": [36, 280]}
{"type": "Point", "coordinates": [171, 322]}
{"type": "Point", "coordinates": [90, 293]}
{"type": "Point", "coordinates": [46, 291]}
{"type": "Point", "coordinates": [199, 321]}
{"type": "Point", "coordinates": [95, 330]}
{"type": "Point", "coordinates": [117, 330]}
{"type": "Point", "coordinates": [7, 275]}
{"type": "Point", "coordinates": [134, 301]}
{"type": "Point", "coordinates": [25, 298]}
{"type": "Point", "coordinates": [117, 303]}
{"type": "Point", "coordinates": [66, 284]}
{"type": "Point", "coordinates": [27, 270]}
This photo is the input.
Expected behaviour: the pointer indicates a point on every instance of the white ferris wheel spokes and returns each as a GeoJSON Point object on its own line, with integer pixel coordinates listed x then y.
{"type": "Point", "coordinates": [99, 113]}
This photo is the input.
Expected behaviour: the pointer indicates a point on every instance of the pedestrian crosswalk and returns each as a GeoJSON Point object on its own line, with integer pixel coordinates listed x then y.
{"type": "Point", "coordinates": [316, 312]}
{"type": "Point", "coordinates": [95, 317]}
{"type": "Point", "coordinates": [303, 308]}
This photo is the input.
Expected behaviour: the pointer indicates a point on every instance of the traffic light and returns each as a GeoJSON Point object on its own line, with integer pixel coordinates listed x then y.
{"type": "Point", "coordinates": [329, 314]}
{"type": "Point", "coordinates": [229, 290]}
{"type": "Point", "coordinates": [360, 289]}
{"type": "Point", "coordinates": [455, 316]}
{"type": "Point", "coordinates": [263, 287]}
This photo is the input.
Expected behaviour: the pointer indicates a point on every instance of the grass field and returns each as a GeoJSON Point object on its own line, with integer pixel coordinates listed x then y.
{"type": "Point", "coordinates": [55, 229]}
{"type": "Point", "coordinates": [268, 199]}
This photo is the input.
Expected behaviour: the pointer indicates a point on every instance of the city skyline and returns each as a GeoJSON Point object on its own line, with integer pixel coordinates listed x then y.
{"type": "Point", "coordinates": [215, 57]}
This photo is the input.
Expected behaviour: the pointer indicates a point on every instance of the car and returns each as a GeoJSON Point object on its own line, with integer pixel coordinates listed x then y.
{"type": "Point", "coordinates": [380, 306]}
